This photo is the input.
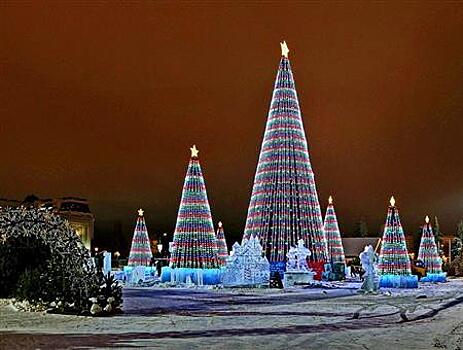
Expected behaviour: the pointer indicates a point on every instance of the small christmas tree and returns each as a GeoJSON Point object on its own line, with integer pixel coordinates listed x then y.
{"type": "Point", "coordinates": [221, 245]}
{"type": "Point", "coordinates": [284, 204]}
{"type": "Point", "coordinates": [333, 236]}
{"type": "Point", "coordinates": [429, 255]}
{"type": "Point", "coordinates": [195, 243]}
{"type": "Point", "coordinates": [394, 262]}
{"type": "Point", "coordinates": [140, 252]}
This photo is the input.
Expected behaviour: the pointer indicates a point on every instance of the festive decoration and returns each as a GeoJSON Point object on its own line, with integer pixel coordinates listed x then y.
{"type": "Point", "coordinates": [246, 266]}
{"type": "Point", "coordinates": [284, 49]}
{"type": "Point", "coordinates": [333, 236]}
{"type": "Point", "coordinates": [428, 254]}
{"type": "Point", "coordinates": [297, 258]}
{"type": "Point", "coordinates": [297, 270]}
{"type": "Point", "coordinates": [284, 205]}
{"type": "Point", "coordinates": [195, 243]}
{"type": "Point", "coordinates": [394, 262]}
{"type": "Point", "coordinates": [221, 245]}
{"type": "Point", "coordinates": [140, 252]}
{"type": "Point", "coordinates": [368, 259]}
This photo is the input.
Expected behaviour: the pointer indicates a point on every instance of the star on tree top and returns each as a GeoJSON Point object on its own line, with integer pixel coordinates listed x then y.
{"type": "Point", "coordinates": [194, 152]}
{"type": "Point", "coordinates": [140, 212]}
{"type": "Point", "coordinates": [284, 49]}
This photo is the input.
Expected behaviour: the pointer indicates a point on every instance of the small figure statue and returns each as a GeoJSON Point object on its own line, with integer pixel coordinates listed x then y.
{"type": "Point", "coordinates": [297, 257]}
{"type": "Point", "coordinates": [368, 259]}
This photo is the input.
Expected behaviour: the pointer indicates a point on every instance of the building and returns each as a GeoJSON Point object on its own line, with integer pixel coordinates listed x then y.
{"type": "Point", "coordinates": [75, 210]}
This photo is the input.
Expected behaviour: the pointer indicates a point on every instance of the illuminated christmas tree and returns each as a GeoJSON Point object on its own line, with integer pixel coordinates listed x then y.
{"type": "Point", "coordinates": [284, 205]}
{"type": "Point", "coordinates": [195, 243]}
{"type": "Point", "coordinates": [333, 236]}
{"type": "Point", "coordinates": [429, 255]}
{"type": "Point", "coordinates": [140, 252]}
{"type": "Point", "coordinates": [221, 245]}
{"type": "Point", "coordinates": [394, 262]}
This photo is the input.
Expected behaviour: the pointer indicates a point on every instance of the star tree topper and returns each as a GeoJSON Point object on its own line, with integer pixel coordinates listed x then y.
{"type": "Point", "coordinates": [284, 49]}
{"type": "Point", "coordinates": [392, 201]}
{"type": "Point", "coordinates": [194, 152]}
{"type": "Point", "coordinates": [330, 200]}
{"type": "Point", "coordinates": [140, 212]}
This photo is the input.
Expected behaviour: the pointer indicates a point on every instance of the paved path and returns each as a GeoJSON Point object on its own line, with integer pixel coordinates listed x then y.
{"type": "Point", "coordinates": [251, 319]}
{"type": "Point", "coordinates": [147, 301]}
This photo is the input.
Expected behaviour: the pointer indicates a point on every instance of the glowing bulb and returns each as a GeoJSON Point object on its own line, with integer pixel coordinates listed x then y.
{"type": "Point", "coordinates": [220, 224]}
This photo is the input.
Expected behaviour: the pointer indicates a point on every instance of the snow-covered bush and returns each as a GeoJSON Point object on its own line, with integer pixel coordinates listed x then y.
{"type": "Point", "coordinates": [42, 260]}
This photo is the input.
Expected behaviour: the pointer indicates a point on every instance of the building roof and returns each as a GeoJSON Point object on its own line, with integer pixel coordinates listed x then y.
{"type": "Point", "coordinates": [355, 245]}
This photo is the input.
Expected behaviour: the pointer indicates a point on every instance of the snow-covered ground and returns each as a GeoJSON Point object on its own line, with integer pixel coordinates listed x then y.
{"type": "Point", "coordinates": [330, 318]}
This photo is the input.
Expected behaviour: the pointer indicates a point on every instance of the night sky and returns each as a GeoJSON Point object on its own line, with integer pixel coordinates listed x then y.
{"type": "Point", "coordinates": [103, 102]}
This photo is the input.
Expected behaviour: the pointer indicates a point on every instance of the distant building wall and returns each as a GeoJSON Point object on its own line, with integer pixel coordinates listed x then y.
{"type": "Point", "coordinates": [75, 210]}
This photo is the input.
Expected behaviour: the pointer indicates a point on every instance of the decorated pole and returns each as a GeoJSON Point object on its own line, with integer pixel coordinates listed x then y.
{"type": "Point", "coordinates": [429, 255]}
{"type": "Point", "coordinates": [284, 204]}
{"type": "Point", "coordinates": [394, 262]}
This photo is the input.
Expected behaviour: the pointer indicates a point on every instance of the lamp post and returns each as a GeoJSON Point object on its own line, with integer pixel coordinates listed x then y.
{"type": "Point", "coordinates": [117, 255]}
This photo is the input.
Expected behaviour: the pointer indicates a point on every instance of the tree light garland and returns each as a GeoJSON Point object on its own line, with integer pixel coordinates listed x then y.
{"type": "Point", "coordinates": [333, 235]}
{"type": "Point", "coordinates": [284, 205]}
{"type": "Point", "coordinates": [195, 243]}
{"type": "Point", "coordinates": [394, 262]}
{"type": "Point", "coordinates": [140, 252]}
{"type": "Point", "coordinates": [429, 255]}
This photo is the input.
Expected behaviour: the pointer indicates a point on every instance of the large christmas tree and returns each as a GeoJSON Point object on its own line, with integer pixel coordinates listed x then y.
{"type": "Point", "coordinates": [284, 205]}
{"type": "Point", "coordinates": [221, 245]}
{"type": "Point", "coordinates": [140, 252]}
{"type": "Point", "coordinates": [429, 255]}
{"type": "Point", "coordinates": [333, 235]}
{"type": "Point", "coordinates": [394, 262]}
{"type": "Point", "coordinates": [195, 243]}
